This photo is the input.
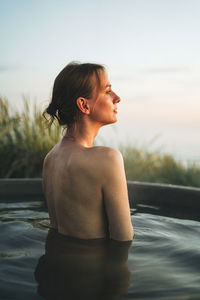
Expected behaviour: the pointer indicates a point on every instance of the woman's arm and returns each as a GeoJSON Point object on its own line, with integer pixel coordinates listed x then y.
{"type": "Point", "coordinates": [115, 196]}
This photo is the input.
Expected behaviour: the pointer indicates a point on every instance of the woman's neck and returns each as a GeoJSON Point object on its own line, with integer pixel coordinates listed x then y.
{"type": "Point", "coordinates": [83, 133]}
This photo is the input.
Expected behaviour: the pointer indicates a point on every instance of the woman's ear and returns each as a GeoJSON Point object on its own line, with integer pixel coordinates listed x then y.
{"type": "Point", "coordinates": [83, 105]}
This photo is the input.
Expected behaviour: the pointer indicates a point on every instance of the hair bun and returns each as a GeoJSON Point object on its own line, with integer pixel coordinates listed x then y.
{"type": "Point", "coordinates": [51, 109]}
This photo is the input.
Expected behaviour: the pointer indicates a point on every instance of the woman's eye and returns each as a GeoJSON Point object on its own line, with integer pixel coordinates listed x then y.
{"type": "Point", "coordinates": [108, 92]}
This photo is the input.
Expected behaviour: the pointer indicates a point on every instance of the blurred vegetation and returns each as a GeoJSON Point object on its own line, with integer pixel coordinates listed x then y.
{"type": "Point", "coordinates": [141, 165]}
{"type": "Point", "coordinates": [25, 139]}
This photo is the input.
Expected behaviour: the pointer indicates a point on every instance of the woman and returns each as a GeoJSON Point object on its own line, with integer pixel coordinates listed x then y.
{"type": "Point", "coordinates": [75, 269]}
{"type": "Point", "coordinates": [85, 186]}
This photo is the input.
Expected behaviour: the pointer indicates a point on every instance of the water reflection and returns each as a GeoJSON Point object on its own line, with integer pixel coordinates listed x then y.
{"type": "Point", "coordinates": [82, 269]}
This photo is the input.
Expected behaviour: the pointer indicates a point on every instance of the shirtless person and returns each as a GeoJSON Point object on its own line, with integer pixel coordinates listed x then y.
{"type": "Point", "coordinates": [85, 185]}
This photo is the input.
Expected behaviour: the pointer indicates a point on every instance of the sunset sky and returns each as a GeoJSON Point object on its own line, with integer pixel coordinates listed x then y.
{"type": "Point", "coordinates": [151, 49]}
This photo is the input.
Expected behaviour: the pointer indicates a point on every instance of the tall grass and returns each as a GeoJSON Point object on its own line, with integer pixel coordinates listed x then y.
{"type": "Point", "coordinates": [141, 165]}
{"type": "Point", "coordinates": [25, 139]}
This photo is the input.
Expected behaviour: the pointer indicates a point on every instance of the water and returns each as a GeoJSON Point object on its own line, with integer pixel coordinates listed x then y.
{"type": "Point", "coordinates": [163, 260]}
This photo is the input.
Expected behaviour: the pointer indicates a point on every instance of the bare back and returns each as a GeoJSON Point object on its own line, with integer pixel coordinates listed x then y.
{"type": "Point", "coordinates": [73, 183]}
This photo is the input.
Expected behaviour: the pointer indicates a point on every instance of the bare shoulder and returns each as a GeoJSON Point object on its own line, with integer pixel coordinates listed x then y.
{"type": "Point", "coordinates": [46, 165]}
{"type": "Point", "coordinates": [49, 156]}
{"type": "Point", "coordinates": [46, 161]}
{"type": "Point", "coordinates": [105, 149]}
{"type": "Point", "coordinates": [107, 155]}
{"type": "Point", "coordinates": [105, 162]}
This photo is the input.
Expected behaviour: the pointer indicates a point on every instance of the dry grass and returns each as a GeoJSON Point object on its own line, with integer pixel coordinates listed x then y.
{"type": "Point", "coordinates": [24, 141]}
{"type": "Point", "coordinates": [141, 165]}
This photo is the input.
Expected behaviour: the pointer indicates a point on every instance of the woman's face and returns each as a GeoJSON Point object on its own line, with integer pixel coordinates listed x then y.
{"type": "Point", "coordinates": [104, 107]}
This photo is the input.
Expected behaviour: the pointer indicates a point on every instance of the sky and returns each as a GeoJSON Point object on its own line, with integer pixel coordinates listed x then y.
{"type": "Point", "coordinates": [150, 48]}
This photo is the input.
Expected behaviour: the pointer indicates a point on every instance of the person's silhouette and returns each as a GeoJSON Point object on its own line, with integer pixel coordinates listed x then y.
{"type": "Point", "coordinates": [82, 269]}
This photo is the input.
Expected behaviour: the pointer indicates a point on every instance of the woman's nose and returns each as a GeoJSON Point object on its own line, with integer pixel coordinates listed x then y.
{"type": "Point", "coordinates": [116, 98]}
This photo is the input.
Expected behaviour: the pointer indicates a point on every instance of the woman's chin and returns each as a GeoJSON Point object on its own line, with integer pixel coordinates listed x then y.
{"type": "Point", "coordinates": [110, 121]}
{"type": "Point", "coordinates": [113, 121]}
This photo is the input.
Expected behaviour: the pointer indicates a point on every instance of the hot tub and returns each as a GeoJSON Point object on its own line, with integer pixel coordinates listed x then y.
{"type": "Point", "coordinates": [161, 263]}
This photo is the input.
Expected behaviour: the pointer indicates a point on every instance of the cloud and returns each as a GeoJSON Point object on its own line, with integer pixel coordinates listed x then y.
{"type": "Point", "coordinates": [139, 98]}
{"type": "Point", "coordinates": [168, 70]}
{"type": "Point", "coordinates": [8, 68]}
{"type": "Point", "coordinates": [138, 75]}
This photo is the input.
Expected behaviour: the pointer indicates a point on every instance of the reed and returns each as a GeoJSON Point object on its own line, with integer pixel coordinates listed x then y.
{"type": "Point", "coordinates": [25, 139]}
{"type": "Point", "coordinates": [142, 165]}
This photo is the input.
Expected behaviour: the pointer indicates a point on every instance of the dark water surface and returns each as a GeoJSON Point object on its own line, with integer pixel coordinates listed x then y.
{"type": "Point", "coordinates": [163, 261]}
